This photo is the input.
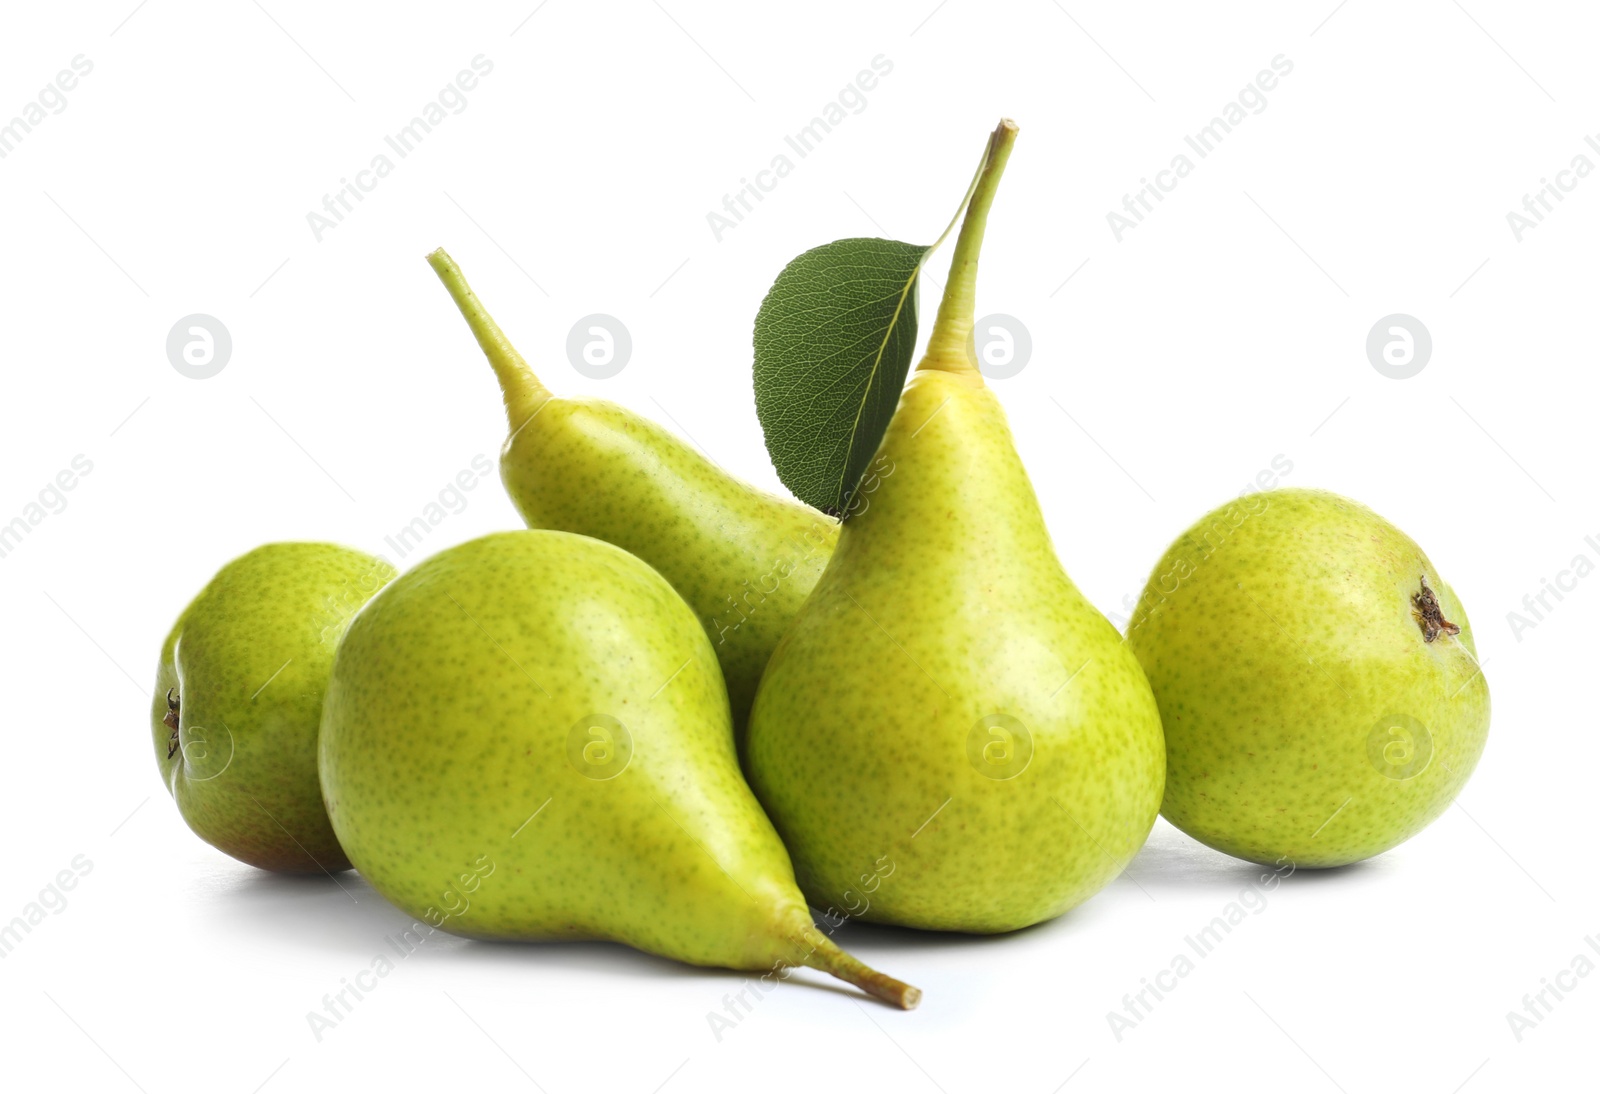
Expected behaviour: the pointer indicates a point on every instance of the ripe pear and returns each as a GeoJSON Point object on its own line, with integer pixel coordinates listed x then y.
{"type": "Point", "coordinates": [238, 700]}
{"type": "Point", "coordinates": [744, 559]}
{"type": "Point", "coordinates": [527, 737]}
{"type": "Point", "coordinates": [947, 701]}
{"type": "Point", "coordinates": [1317, 679]}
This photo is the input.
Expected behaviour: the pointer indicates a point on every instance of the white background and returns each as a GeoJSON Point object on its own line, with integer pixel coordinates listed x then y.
{"type": "Point", "coordinates": [1168, 370]}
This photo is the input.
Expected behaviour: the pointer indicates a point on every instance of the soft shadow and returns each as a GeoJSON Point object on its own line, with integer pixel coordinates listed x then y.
{"type": "Point", "coordinates": [865, 940]}
{"type": "Point", "coordinates": [617, 961]}
{"type": "Point", "coordinates": [590, 958]}
{"type": "Point", "coordinates": [1171, 861]}
{"type": "Point", "coordinates": [861, 938]}
{"type": "Point", "coordinates": [623, 962]}
{"type": "Point", "coordinates": [339, 914]}
{"type": "Point", "coordinates": [344, 915]}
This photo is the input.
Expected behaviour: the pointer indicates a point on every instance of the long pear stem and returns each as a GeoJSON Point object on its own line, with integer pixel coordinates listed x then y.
{"type": "Point", "coordinates": [950, 346]}
{"type": "Point", "coordinates": [524, 394]}
{"type": "Point", "coordinates": [829, 958]}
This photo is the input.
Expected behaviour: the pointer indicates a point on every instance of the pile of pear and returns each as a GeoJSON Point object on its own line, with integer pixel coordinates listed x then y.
{"type": "Point", "coordinates": [589, 729]}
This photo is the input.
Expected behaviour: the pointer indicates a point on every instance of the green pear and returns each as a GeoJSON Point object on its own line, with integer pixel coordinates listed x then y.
{"type": "Point", "coordinates": [527, 737]}
{"type": "Point", "coordinates": [1321, 694]}
{"type": "Point", "coordinates": [744, 559]}
{"type": "Point", "coordinates": [947, 700]}
{"type": "Point", "coordinates": [238, 700]}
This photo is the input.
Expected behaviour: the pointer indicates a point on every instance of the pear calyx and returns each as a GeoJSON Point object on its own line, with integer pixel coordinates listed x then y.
{"type": "Point", "coordinates": [1430, 617]}
{"type": "Point", "coordinates": [170, 720]}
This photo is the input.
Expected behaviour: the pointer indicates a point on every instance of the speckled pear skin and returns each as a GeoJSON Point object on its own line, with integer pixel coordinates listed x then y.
{"type": "Point", "coordinates": [1285, 651]}
{"type": "Point", "coordinates": [745, 560]}
{"type": "Point", "coordinates": [943, 604]}
{"type": "Point", "coordinates": [452, 778]}
{"type": "Point", "coordinates": [248, 661]}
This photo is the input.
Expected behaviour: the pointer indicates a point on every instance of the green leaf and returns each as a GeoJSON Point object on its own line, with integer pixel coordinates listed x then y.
{"type": "Point", "coordinates": [833, 344]}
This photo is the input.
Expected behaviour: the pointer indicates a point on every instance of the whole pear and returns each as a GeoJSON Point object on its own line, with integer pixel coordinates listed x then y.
{"type": "Point", "coordinates": [744, 559]}
{"type": "Point", "coordinates": [238, 701]}
{"type": "Point", "coordinates": [1317, 680]}
{"type": "Point", "coordinates": [527, 737]}
{"type": "Point", "coordinates": [947, 701]}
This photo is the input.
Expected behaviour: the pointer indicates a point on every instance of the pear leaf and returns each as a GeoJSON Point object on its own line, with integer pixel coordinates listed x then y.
{"type": "Point", "coordinates": [833, 343]}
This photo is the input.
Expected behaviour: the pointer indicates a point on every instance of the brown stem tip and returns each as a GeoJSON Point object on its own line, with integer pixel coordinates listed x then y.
{"type": "Point", "coordinates": [829, 958]}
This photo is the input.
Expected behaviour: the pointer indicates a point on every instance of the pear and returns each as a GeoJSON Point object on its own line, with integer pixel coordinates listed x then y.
{"type": "Point", "coordinates": [238, 700]}
{"type": "Point", "coordinates": [744, 559]}
{"type": "Point", "coordinates": [947, 702]}
{"type": "Point", "coordinates": [527, 737]}
{"type": "Point", "coordinates": [1317, 679]}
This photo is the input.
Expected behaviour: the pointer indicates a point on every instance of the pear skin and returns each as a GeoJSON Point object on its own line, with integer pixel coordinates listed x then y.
{"type": "Point", "coordinates": [527, 737]}
{"type": "Point", "coordinates": [1317, 679]}
{"type": "Point", "coordinates": [238, 701]}
{"type": "Point", "coordinates": [947, 701]}
{"type": "Point", "coordinates": [744, 559]}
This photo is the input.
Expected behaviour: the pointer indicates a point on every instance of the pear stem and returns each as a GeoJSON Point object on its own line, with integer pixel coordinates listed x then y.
{"type": "Point", "coordinates": [826, 957]}
{"type": "Point", "coordinates": [950, 345]}
{"type": "Point", "coordinates": [524, 394]}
